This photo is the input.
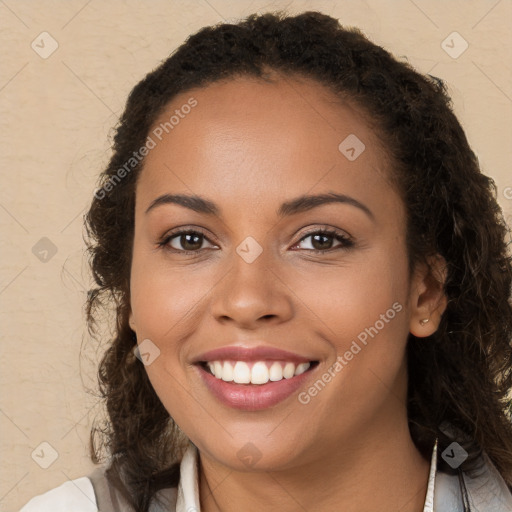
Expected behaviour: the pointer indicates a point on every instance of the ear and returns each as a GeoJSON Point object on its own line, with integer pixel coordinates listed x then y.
{"type": "Point", "coordinates": [131, 321]}
{"type": "Point", "coordinates": [427, 298]}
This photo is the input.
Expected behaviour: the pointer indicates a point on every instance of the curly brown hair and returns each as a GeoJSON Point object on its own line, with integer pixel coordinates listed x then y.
{"type": "Point", "coordinates": [460, 376]}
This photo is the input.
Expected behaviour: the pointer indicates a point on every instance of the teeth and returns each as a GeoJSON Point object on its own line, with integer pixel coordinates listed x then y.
{"type": "Point", "coordinates": [276, 372]}
{"type": "Point", "coordinates": [217, 369]}
{"type": "Point", "coordinates": [241, 373]}
{"type": "Point", "coordinates": [259, 372]}
{"type": "Point", "coordinates": [227, 372]}
{"type": "Point", "coordinates": [288, 370]}
{"type": "Point", "coordinates": [301, 368]}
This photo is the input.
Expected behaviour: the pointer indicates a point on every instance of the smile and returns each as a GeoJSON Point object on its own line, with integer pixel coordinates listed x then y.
{"type": "Point", "coordinates": [257, 372]}
{"type": "Point", "coordinates": [253, 379]}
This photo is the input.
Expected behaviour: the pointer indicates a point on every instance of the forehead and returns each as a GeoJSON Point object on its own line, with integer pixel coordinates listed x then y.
{"type": "Point", "coordinates": [257, 140]}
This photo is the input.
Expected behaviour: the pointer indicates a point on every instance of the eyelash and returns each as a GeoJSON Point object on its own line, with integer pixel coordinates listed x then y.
{"type": "Point", "coordinates": [346, 242]}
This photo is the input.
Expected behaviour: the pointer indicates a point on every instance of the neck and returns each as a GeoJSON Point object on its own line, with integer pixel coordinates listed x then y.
{"type": "Point", "coordinates": [375, 469]}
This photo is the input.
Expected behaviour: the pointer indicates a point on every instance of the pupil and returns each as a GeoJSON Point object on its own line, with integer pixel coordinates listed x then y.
{"type": "Point", "coordinates": [325, 245]}
{"type": "Point", "coordinates": [196, 245]}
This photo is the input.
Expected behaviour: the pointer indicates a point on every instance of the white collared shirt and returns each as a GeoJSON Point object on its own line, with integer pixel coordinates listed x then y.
{"type": "Point", "coordinates": [486, 493]}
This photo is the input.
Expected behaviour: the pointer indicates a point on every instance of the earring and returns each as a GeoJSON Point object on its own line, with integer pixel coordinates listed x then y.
{"type": "Point", "coordinates": [424, 321]}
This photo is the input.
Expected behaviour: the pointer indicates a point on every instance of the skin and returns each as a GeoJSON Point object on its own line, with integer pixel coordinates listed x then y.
{"type": "Point", "coordinates": [249, 146]}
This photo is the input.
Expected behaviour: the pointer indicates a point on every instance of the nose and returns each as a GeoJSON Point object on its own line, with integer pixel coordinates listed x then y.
{"type": "Point", "coordinates": [252, 295]}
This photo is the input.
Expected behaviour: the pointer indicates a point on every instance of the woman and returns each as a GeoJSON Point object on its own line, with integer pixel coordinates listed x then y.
{"type": "Point", "coordinates": [311, 285]}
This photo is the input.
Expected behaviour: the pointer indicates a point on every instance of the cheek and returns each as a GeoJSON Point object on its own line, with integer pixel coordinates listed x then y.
{"type": "Point", "coordinates": [376, 326]}
{"type": "Point", "coordinates": [361, 310]}
{"type": "Point", "coordinates": [363, 313]}
{"type": "Point", "coordinates": [162, 298]}
{"type": "Point", "coordinates": [165, 303]}
{"type": "Point", "coordinates": [344, 300]}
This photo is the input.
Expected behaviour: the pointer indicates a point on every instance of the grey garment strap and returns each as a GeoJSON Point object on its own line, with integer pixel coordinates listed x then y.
{"type": "Point", "coordinates": [464, 491]}
{"type": "Point", "coordinates": [109, 500]}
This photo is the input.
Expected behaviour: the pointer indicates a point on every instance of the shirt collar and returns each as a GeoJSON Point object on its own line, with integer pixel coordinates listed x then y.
{"type": "Point", "coordinates": [429, 500]}
{"type": "Point", "coordinates": [188, 489]}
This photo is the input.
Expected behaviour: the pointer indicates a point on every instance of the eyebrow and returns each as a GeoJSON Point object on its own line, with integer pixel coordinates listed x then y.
{"type": "Point", "coordinates": [292, 207]}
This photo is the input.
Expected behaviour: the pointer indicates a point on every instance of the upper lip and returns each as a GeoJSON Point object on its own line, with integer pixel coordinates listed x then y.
{"type": "Point", "coordinates": [260, 353]}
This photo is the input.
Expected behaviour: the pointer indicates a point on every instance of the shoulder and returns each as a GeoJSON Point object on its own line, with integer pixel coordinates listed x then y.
{"type": "Point", "coordinates": [110, 499]}
{"type": "Point", "coordinates": [486, 490]}
{"type": "Point", "coordinates": [77, 495]}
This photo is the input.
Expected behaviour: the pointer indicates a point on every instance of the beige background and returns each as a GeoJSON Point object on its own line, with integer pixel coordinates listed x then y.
{"type": "Point", "coordinates": [56, 116]}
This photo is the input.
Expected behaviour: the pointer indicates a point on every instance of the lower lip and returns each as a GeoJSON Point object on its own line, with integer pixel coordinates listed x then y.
{"type": "Point", "coordinates": [253, 397]}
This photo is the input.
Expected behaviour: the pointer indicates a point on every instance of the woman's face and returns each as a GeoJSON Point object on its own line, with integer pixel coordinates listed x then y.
{"type": "Point", "coordinates": [258, 162]}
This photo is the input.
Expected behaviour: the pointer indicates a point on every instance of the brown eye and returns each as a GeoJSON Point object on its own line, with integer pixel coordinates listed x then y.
{"type": "Point", "coordinates": [323, 240]}
{"type": "Point", "coordinates": [190, 242]}
{"type": "Point", "coordinates": [185, 241]}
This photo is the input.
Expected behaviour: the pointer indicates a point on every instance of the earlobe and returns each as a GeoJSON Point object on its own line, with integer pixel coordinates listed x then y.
{"type": "Point", "coordinates": [428, 300]}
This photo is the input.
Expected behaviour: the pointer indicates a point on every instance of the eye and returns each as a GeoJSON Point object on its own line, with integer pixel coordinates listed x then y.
{"type": "Point", "coordinates": [190, 241]}
{"type": "Point", "coordinates": [187, 241]}
{"type": "Point", "coordinates": [322, 240]}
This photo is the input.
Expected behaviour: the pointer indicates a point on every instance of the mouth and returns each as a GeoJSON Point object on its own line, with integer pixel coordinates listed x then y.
{"type": "Point", "coordinates": [256, 373]}
{"type": "Point", "coordinates": [254, 382]}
